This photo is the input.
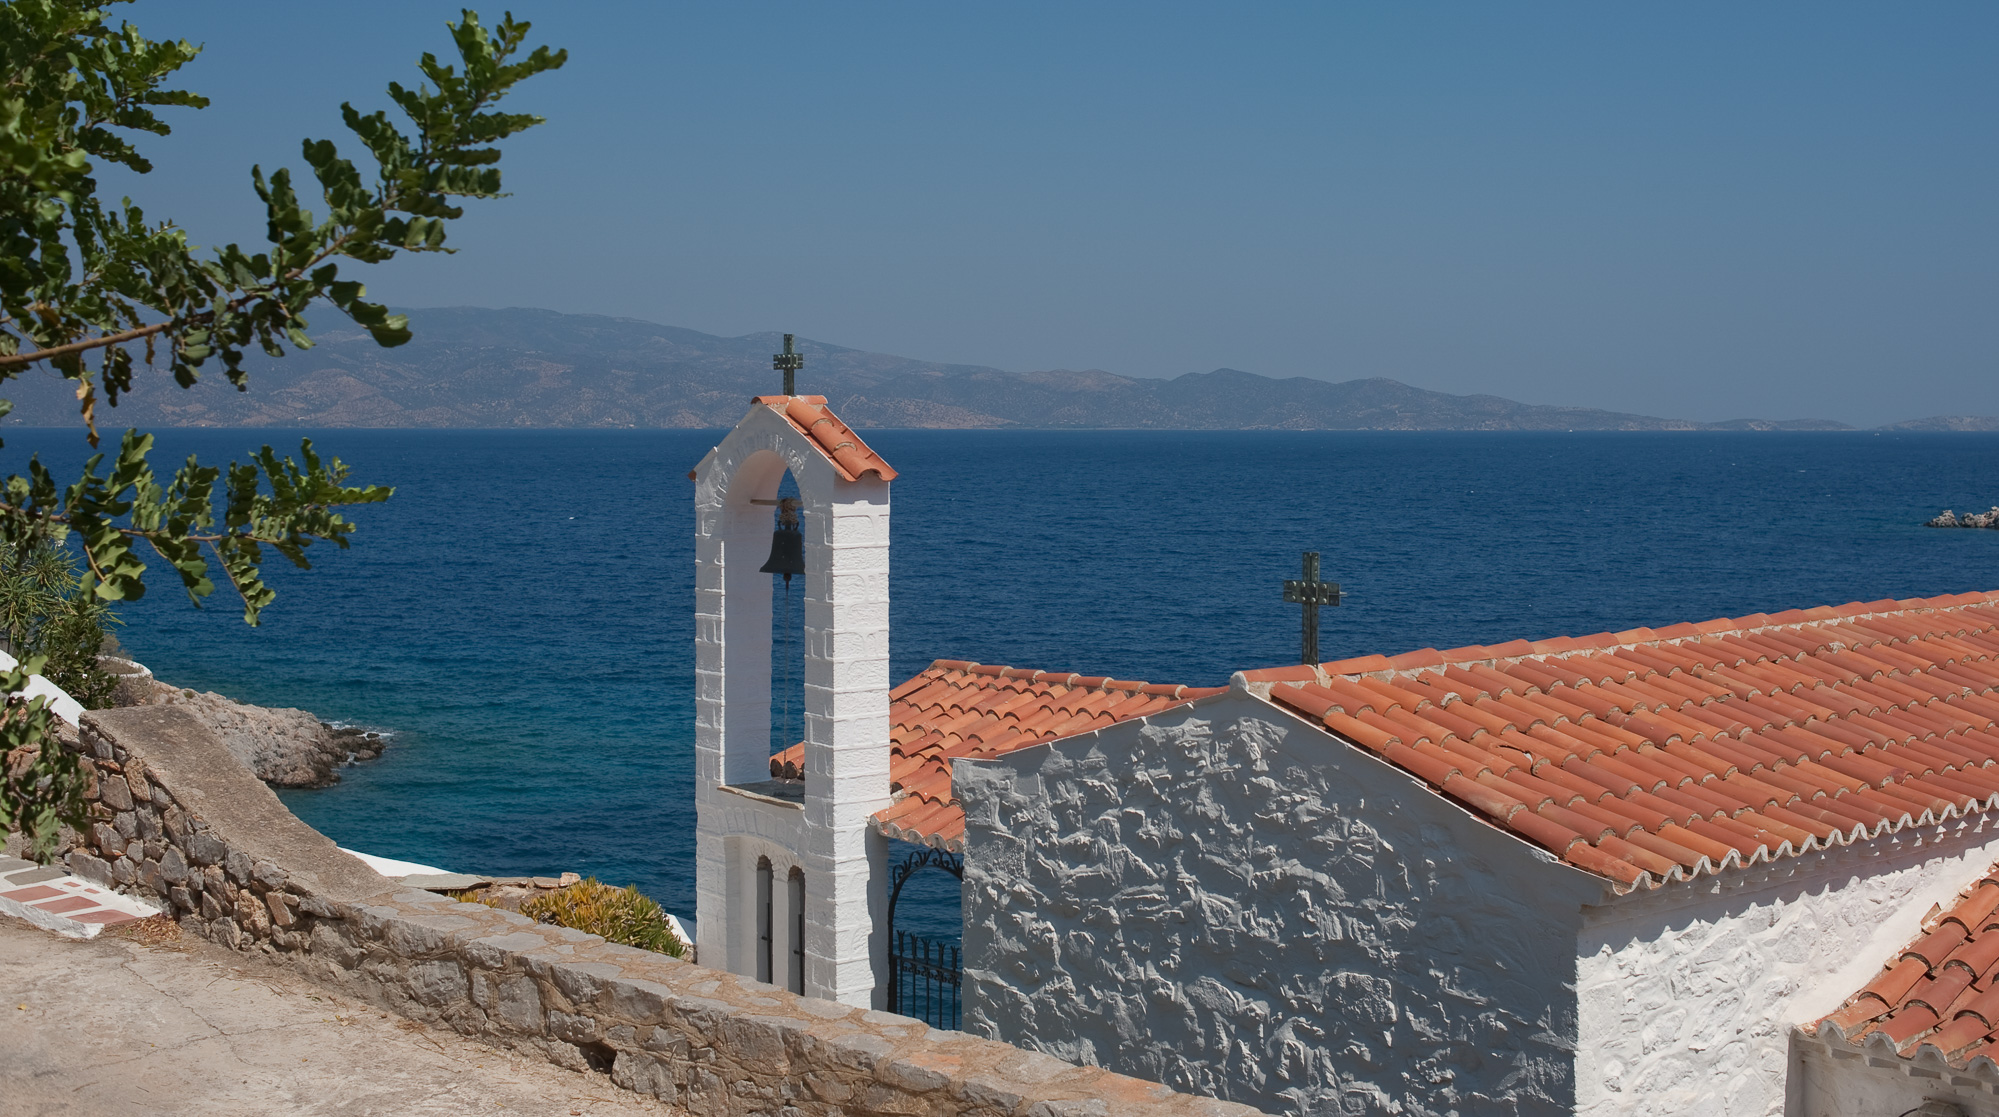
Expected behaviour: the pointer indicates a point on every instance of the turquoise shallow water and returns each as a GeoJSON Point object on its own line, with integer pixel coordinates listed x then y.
{"type": "Point", "coordinates": [519, 614]}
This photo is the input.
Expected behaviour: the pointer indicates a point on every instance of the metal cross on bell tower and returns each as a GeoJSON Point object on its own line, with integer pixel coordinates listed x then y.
{"type": "Point", "coordinates": [1310, 592]}
{"type": "Point", "coordinates": [788, 363]}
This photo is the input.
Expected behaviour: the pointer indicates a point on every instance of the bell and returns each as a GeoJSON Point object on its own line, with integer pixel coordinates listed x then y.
{"type": "Point", "coordinates": [787, 552]}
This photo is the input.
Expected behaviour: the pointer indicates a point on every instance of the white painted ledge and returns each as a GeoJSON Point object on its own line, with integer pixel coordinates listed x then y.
{"type": "Point", "coordinates": [389, 866]}
{"type": "Point", "coordinates": [60, 703]}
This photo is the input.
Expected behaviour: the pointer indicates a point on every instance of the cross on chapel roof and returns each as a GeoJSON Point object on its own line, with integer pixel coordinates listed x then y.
{"type": "Point", "coordinates": [788, 363]}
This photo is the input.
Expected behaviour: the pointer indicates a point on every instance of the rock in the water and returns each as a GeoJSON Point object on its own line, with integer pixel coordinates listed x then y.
{"type": "Point", "coordinates": [284, 747]}
{"type": "Point", "coordinates": [1969, 519]}
{"type": "Point", "coordinates": [361, 744]}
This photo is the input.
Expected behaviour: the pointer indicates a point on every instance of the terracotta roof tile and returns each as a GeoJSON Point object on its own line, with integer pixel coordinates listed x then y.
{"type": "Point", "coordinates": [959, 708]}
{"type": "Point", "coordinates": [832, 437]}
{"type": "Point", "coordinates": [1941, 991]}
{"type": "Point", "coordinates": [1303, 673]}
{"type": "Point", "coordinates": [1358, 664]}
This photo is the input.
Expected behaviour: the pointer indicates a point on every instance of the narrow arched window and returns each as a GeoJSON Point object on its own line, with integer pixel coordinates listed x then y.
{"type": "Point", "coordinates": [764, 919]}
{"type": "Point", "coordinates": [797, 882]}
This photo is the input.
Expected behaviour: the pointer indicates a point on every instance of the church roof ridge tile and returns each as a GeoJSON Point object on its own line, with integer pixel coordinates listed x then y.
{"type": "Point", "coordinates": [850, 456]}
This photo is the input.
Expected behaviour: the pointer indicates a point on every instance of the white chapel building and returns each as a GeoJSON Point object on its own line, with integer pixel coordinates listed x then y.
{"type": "Point", "coordinates": [1739, 867]}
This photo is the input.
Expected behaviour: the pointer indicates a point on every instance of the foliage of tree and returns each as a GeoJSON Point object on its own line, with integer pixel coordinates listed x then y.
{"type": "Point", "coordinates": [41, 783]}
{"type": "Point", "coordinates": [95, 291]}
{"type": "Point", "coordinates": [45, 613]}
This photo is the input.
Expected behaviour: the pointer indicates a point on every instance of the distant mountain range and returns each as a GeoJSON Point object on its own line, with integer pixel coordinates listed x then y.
{"type": "Point", "coordinates": [470, 367]}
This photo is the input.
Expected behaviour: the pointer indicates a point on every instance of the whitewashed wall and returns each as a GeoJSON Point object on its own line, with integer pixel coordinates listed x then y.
{"type": "Point", "coordinates": [1228, 900]}
{"type": "Point", "coordinates": [1687, 996]}
{"type": "Point", "coordinates": [753, 826]}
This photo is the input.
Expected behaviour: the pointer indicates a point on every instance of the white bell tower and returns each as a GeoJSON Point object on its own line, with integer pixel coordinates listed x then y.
{"type": "Point", "coordinates": [758, 839]}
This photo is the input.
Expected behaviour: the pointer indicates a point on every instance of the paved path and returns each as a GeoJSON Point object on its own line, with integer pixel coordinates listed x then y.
{"type": "Point", "coordinates": [112, 1026]}
{"type": "Point", "coordinates": [67, 905]}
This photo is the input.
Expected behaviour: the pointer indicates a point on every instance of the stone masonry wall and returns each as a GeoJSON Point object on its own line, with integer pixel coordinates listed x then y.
{"type": "Point", "coordinates": [182, 821]}
{"type": "Point", "coordinates": [1232, 902]}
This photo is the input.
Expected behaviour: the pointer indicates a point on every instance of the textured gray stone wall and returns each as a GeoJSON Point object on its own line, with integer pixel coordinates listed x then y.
{"type": "Point", "coordinates": [182, 821]}
{"type": "Point", "coordinates": [1228, 901]}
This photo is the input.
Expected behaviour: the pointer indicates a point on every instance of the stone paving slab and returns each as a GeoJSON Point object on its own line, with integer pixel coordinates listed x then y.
{"type": "Point", "coordinates": [52, 899]}
{"type": "Point", "coordinates": [445, 882]}
{"type": "Point", "coordinates": [110, 1026]}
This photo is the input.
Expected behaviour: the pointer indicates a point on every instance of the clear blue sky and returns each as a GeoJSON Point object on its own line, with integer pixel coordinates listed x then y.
{"type": "Point", "coordinates": [1698, 210]}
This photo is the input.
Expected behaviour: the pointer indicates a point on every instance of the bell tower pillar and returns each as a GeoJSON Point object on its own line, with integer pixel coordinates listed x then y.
{"type": "Point", "coordinates": [824, 827]}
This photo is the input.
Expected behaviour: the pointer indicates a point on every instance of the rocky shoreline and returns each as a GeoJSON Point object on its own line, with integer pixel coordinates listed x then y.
{"type": "Point", "coordinates": [1969, 519]}
{"type": "Point", "coordinates": [285, 747]}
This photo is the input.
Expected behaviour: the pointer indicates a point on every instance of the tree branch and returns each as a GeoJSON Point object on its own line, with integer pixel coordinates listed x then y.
{"type": "Point", "coordinates": [335, 247]}
{"type": "Point", "coordinates": [23, 360]}
{"type": "Point", "coordinates": [150, 535]}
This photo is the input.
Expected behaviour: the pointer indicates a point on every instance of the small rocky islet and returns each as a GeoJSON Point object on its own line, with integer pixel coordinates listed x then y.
{"type": "Point", "coordinates": [1969, 519]}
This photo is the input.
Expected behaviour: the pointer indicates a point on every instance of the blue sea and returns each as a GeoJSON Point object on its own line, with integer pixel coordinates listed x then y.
{"type": "Point", "coordinates": [519, 614]}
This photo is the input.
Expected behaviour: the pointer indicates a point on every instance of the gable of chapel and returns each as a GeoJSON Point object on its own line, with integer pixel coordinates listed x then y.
{"type": "Point", "coordinates": [1224, 898]}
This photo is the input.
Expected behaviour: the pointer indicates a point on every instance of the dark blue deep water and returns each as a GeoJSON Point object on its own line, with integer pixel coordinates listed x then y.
{"type": "Point", "coordinates": [519, 613]}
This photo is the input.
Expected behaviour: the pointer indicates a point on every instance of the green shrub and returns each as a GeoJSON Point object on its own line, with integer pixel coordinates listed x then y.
{"type": "Point", "coordinates": [45, 611]}
{"type": "Point", "coordinates": [621, 915]}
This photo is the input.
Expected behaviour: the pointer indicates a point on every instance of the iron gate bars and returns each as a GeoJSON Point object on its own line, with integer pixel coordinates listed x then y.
{"type": "Point", "coordinates": [925, 978]}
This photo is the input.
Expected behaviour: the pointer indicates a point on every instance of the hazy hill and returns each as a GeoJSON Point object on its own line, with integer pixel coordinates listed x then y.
{"type": "Point", "coordinates": [472, 367]}
{"type": "Point", "coordinates": [1948, 423]}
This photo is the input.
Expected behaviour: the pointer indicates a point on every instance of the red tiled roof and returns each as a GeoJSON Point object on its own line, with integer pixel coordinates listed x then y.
{"type": "Point", "coordinates": [1941, 992]}
{"type": "Point", "coordinates": [1647, 756]}
{"type": "Point", "coordinates": [955, 708]}
{"type": "Point", "coordinates": [834, 438]}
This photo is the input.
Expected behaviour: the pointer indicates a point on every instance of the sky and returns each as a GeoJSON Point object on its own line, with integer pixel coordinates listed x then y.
{"type": "Point", "coordinates": [1705, 211]}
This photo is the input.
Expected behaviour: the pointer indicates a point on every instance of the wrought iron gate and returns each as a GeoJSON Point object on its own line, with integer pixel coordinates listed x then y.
{"type": "Point", "coordinates": [925, 978]}
{"type": "Point", "coordinates": [924, 981]}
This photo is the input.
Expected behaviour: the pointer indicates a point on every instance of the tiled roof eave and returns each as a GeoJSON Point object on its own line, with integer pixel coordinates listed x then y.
{"type": "Point", "coordinates": [1934, 1002]}
{"type": "Point", "coordinates": [892, 830]}
{"type": "Point", "coordinates": [1706, 867]}
{"type": "Point", "coordinates": [1785, 851]}
{"type": "Point", "coordinates": [1439, 716]}
{"type": "Point", "coordinates": [1924, 1055]}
